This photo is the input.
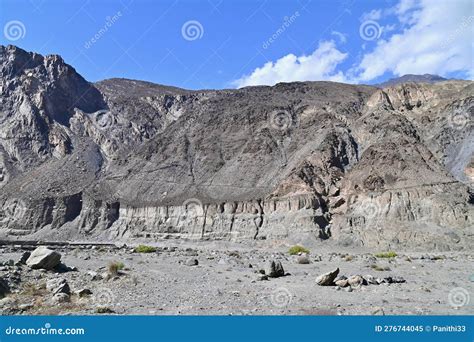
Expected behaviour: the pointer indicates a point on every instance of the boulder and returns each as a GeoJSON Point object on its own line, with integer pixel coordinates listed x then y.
{"type": "Point", "coordinates": [43, 257]}
{"type": "Point", "coordinates": [275, 269]}
{"type": "Point", "coordinates": [327, 279]}
{"type": "Point", "coordinates": [356, 281]}
{"type": "Point", "coordinates": [61, 298]}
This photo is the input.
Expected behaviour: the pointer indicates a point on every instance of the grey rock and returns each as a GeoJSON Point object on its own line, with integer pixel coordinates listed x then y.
{"type": "Point", "coordinates": [24, 257]}
{"type": "Point", "coordinates": [327, 279]}
{"type": "Point", "coordinates": [44, 258]}
{"type": "Point", "coordinates": [191, 262]}
{"type": "Point", "coordinates": [275, 269]}
{"type": "Point", "coordinates": [303, 259]}
{"type": "Point", "coordinates": [84, 292]}
{"type": "Point", "coordinates": [58, 285]}
{"type": "Point", "coordinates": [61, 298]}
{"type": "Point", "coordinates": [356, 281]}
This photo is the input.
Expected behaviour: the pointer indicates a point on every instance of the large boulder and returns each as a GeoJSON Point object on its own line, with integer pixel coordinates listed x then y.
{"type": "Point", "coordinates": [275, 269]}
{"type": "Point", "coordinates": [327, 279]}
{"type": "Point", "coordinates": [43, 257]}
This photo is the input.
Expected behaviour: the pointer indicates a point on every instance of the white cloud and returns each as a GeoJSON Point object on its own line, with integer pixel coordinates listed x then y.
{"type": "Point", "coordinates": [437, 39]}
{"type": "Point", "coordinates": [372, 15]}
{"type": "Point", "coordinates": [320, 65]}
{"type": "Point", "coordinates": [341, 36]}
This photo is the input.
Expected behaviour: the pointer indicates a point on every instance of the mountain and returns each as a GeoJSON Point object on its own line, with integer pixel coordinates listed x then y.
{"type": "Point", "coordinates": [123, 159]}
{"type": "Point", "coordinates": [426, 78]}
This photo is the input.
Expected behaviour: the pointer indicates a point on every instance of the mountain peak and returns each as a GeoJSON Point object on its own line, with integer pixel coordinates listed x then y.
{"type": "Point", "coordinates": [425, 78]}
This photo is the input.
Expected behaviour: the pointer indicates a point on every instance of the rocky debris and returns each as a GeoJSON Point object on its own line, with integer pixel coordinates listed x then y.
{"type": "Point", "coordinates": [261, 277]}
{"type": "Point", "coordinates": [4, 287]}
{"type": "Point", "coordinates": [94, 276]}
{"type": "Point", "coordinates": [356, 281]}
{"type": "Point", "coordinates": [191, 262]}
{"type": "Point", "coordinates": [58, 285]}
{"type": "Point", "coordinates": [61, 297]}
{"type": "Point", "coordinates": [44, 258]}
{"type": "Point", "coordinates": [303, 259]}
{"type": "Point", "coordinates": [83, 292]}
{"type": "Point", "coordinates": [327, 279]}
{"type": "Point", "coordinates": [275, 269]}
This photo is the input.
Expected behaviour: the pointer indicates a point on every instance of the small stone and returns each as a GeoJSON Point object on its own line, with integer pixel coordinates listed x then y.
{"type": "Point", "coordinates": [261, 277]}
{"type": "Point", "coordinates": [348, 289]}
{"type": "Point", "coordinates": [275, 269]}
{"type": "Point", "coordinates": [58, 285]}
{"type": "Point", "coordinates": [61, 298]}
{"type": "Point", "coordinates": [83, 292]}
{"type": "Point", "coordinates": [327, 279]}
{"type": "Point", "coordinates": [302, 259]}
{"type": "Point", "coordinates": [44, 258]}
{"type": "Point", "coordinates": [191, 262]}
{"type": "Point", "coordinates": [341, 282]}
{"type": "Point", "coordinates": [371, 280]}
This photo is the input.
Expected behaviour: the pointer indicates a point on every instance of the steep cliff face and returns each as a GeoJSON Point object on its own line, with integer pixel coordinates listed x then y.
{"type": "Point", "coordinates": [126, 159]}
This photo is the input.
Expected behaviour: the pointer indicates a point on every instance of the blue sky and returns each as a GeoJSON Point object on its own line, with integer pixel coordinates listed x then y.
{"type": "Point", "coordinates": [226, 44]}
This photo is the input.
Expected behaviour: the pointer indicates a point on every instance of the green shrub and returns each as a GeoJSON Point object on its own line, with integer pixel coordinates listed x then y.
{"type": "Point", "coordinates": [145, 249]}
{"type": "Point", "coordinates": [390, 254]}
{"type": "Point", "coordinates": [297, 250]}
{"type": "Point", "coordinates": [115, 267]}
{"type": "Point", "coordinates": [380, 268]}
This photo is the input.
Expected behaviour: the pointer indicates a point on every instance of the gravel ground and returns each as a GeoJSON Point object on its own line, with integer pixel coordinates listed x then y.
{"type": "Point", "coordinates": [226, 282]}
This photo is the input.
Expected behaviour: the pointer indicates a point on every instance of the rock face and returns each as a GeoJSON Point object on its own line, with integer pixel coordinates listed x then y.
{"type": "Point", "coordinates": [359, 164]}
{"type": "Point", "coordinates": [43, 257]}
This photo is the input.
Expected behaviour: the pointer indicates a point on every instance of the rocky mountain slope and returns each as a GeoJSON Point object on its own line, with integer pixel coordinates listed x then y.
{"type": "Point", "coordinates": [124, 159]}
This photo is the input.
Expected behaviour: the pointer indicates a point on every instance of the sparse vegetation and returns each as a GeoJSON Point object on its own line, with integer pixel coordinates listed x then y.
{"type": "Point", "coordinates": [295, 250]}
{"type": "Point", "coordinates": [379, 268]}
{"type": "Point", "coordinates": [115, 267]}
{"type": "Point", "coordinates": [145, 249]}
{"type": "Point", "coordinates": [103, 310]}
{"type": "Point", "coordinates": [390, 254]}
